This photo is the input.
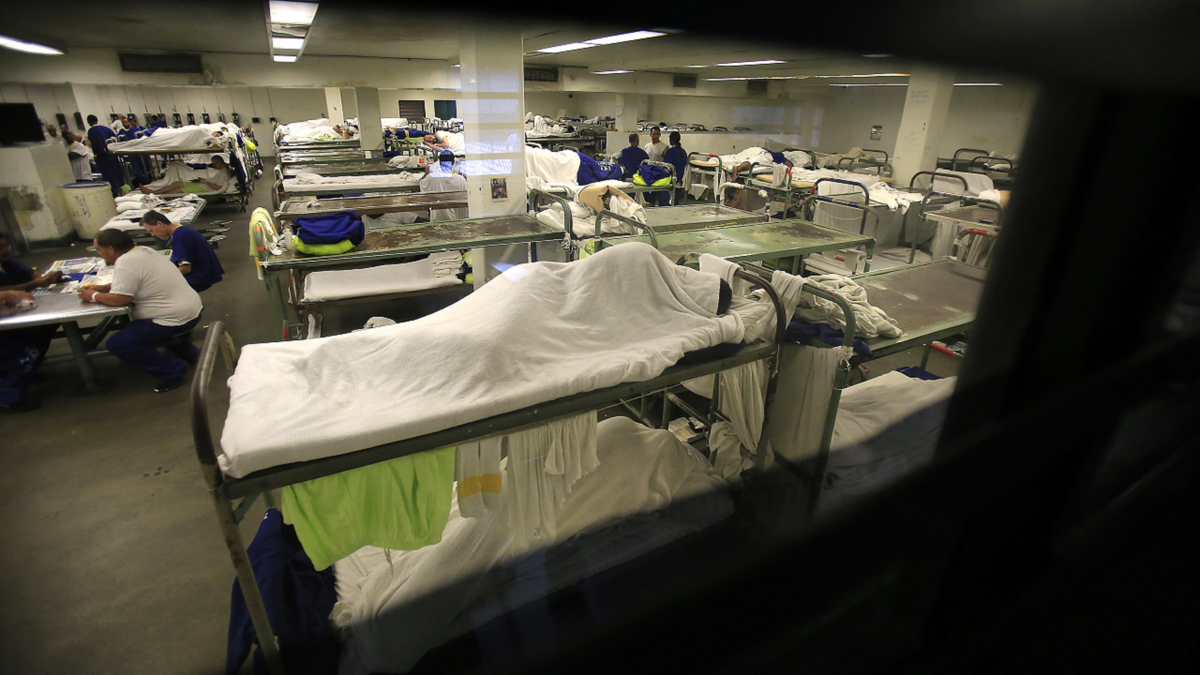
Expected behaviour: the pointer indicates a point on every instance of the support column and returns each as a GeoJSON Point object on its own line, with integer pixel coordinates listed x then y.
{"type": "Point", "coordinates": [333, 105]}
{"type": "Point", "coordinates": [492, 104]}
{"type": "Point", "coordinates": [923, 121]}
{"type": "Point", "coordinates": [370, 129]}
{"type": "Point", "coordinates": [630, 108]}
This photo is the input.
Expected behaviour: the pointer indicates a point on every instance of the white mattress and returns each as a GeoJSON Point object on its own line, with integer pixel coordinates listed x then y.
{"type": "Point", "coordinates": [168, 139]}
{"type": "Point", "coordinates": [552, 167]}
{"type": "Point", "coordinates": [390, 614]}
{"type": "Point", "coordinates": [380, 280]}
{"type": "Point", "coordinates": [350, 183]}
{"type": "Point", "coordinates": [545, 330]}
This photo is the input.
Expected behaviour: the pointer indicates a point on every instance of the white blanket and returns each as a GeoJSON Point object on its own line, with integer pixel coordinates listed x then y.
{"type": "Point", "coordinates": [371, 180]}
{"type": "Point", "coordinates": [418, 275]}
{"type": "Point", "coordinates": [552, 167]}
{"type": "Point", "coordinates": [391, 613]}
{"type": "Point", "coordinates": [545, 330]}
{"type": "Point", "coordinates": [869, 321]}
{"type": "Point", "coordinates": [895, 199]}
{"type": "Point", "coordinates": [170, 139]}
{"type": "Point", "coordinates": [976, 183]}
{"type": "Point", "coordinates": [752, 154]}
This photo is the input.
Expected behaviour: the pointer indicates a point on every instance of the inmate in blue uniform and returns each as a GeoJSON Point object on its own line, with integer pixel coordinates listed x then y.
{"type": "Point", "coordinates": [21, 349]}
{"type": "Point", "coordinates": [106, 162]}
{"type": "Point", "coordinates": [188, 245]}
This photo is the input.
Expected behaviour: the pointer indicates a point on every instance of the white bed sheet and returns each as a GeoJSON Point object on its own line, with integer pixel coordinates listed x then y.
{"type": "Point", "coordinates": [380, 280]}
{"type": "Point", "coordinates": [546, 330]}
{"type": "Point", "coordinates": [552, 167]}
{"type": "Point", "coordinates": [350, 183]}
{"type": "Point", "coordinates": [390, 614]}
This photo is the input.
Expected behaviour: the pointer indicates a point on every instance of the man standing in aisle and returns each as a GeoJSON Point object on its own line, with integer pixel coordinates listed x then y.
{"type": "Point", "coordinates": [189, 250]}
{"type": "Point", "coordinates": [631, 157]}
{"type": "Point", "coordinates": [77, 152]}
{"type": "Point", "coordinates": [107, 163]}
{"type": "Point", "coordinates": [165, 307]}
{"type": "Point", "coordinates": [656, 148]}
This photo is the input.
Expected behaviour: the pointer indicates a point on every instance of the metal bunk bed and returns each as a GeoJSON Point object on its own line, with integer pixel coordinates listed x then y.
{"type": "Point", "coordinates": [284, 268]}
{"type": "Point", "coordinates": [376, 205]}
{"type": "Point", "coordinates": [359, 167]}
{"type": "Point", "coordinates": [245, 184]}
{"type": "Point", "coordinates": [225, 490]}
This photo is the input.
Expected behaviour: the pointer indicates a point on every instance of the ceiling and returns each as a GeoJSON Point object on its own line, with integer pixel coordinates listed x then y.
{"type": "Point", "coordinates": [386, 32]}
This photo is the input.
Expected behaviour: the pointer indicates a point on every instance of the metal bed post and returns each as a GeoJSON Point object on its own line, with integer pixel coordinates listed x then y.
{"type": "Point", "coordinates": [227, 515]}
{"type": "Point", "coordinates": [628, 221]}
{"type": "Point", "coordinates": [569, 241]}
{"type": "Point", "coordinates": [954, 158]}
{"type": "Point", "coordinates": [933, 175]}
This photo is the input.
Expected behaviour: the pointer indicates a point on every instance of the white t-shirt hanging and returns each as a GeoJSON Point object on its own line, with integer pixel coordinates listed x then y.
{"type": "Point", "coordinates": [159, 291]}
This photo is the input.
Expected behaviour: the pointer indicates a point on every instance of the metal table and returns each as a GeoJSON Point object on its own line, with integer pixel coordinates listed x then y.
{"type": "Point", "coordinates": [284, 274]}
{"type": "Point", "coordinates": [358, 168]}
{"type": "Point", "coordinates": [67, 310]}
{"type": "Point", "coordinates": [929, 300]}
{"type": "Point", "coordinates": [759, 241]}
{"type": "Point", "coordinates": [372, 206]}
{"type": "Point", "coordinates": [697, 216]}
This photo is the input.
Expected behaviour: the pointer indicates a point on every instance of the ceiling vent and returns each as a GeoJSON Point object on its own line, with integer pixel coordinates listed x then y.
{"type": "Point", "coordinates": [685, 82]}
{"type": "Point", "coordinates": [756, 86]}
{"type": "Point", "coordinates": [160, 63]}
{"type": "Point", "coordinates": [541, 73]}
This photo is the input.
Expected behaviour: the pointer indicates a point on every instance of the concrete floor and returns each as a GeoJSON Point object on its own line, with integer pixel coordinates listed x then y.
{"type": "Point", "coordinates": [113, 561]}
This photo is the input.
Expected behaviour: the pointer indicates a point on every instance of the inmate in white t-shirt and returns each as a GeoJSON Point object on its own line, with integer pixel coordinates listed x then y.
{"type": "Point", "coordinates": [159, 291]}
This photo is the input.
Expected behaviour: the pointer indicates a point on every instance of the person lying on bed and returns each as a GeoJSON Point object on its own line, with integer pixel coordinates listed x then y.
{"type": "Point", "coordinates": [181, 179]}
{"type": "Point", "coordinates": [776, 157]}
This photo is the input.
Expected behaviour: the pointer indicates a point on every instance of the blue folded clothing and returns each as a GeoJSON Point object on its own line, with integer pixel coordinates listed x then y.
{"type": "Point", "coordinates": [590, 171]}
{"type": "Point", "coordinates": [802, 331]}
{"type": "Point", "coordinates": [652, 174]}
{"type": "Point", "coordinates": [330, 229]}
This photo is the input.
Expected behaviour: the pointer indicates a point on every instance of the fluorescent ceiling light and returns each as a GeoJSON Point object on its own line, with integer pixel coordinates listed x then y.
{"type": "Point", "coordinates": [601, 41]}
{"type": "Point", "coordinates": [294, 13]}
{"type": "Point", "coordinates": [280, 58]}
{"type": "Point", "coordinates": [978, 84]}
{"type": "Point", "coordinates": [695, 66]}
{"type": "Point", "coordinates": [624, 37]}
{"type": "Point", "coordinates": [287, 43]}
{"type": "Point", "coordinates": [872, 84]}
{"type": "Point", "coordinates": [27, 47]}
{"type": "Point", "coordinates": [457, 65]}
{"type": "Point", "coordinates": [865, 75]}
{"type": "Point", "coordinates": [762, 77]}
{"type": "Point", "coordinates": [752, 63]}
{"type": "Point", "coordinates": [569, 47]}
{"type": "Point", "coordinates": [610, 72]}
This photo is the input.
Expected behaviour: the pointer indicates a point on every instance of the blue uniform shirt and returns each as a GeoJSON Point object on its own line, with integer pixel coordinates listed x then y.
{"type": "Point", "coordinates": [631, 158]}
{"type": "Point", "coordinates": [676, 156]}
{"type": "Point", "coordinates": [13, 272]}
{"type": "Point", "coordinates": [188, 245]}
{"type": "Point", "coordinates": [100, 135]}
{"type": "Point", "coordinates": [777, 157]}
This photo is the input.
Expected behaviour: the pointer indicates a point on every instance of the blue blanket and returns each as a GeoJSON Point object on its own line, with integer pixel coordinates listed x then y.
{"type": "Point", "coordinates": [298, 598]}
{"type": "Point", "coordinates": [802, 331]}
{"type": "Point", "coordinates": [330, 229]}
{"type": "Point", "coordinates": [652, 174]}
{"type": "Point", "coordinates": [590, 171]}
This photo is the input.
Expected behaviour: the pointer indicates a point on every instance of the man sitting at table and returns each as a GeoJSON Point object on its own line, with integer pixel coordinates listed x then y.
{"type": "Point", "coordinates": [21, 349]}
{"type": "Point", "coordinates": [189, 250]}
{"type": "Point", "coordinates": [165, 308]}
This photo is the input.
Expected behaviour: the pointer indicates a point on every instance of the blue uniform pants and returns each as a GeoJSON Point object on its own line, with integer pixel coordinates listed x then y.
{"type": "Point", "coordinates": [21, 352]}
{"type": "Point", "coordinates": [110, 168]}
{"type": "Point", "coordinates": [137, 344]}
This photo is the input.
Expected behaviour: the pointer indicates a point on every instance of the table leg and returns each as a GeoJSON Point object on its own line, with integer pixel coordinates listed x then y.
{"type": "Point", "coordinates": [79, 351]}
{"type": "Point", "coordinates": [479, 267]}
{"type": "Point", "coordinates": [925, 356]}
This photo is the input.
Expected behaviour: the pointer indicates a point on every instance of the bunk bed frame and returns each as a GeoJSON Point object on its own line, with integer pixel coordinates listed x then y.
{"type": "Point", "coordinates": [225, 489]}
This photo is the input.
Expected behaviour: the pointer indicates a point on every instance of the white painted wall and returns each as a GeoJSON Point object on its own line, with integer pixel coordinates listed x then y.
{"type": "Point", "coordinates": [32, 175]}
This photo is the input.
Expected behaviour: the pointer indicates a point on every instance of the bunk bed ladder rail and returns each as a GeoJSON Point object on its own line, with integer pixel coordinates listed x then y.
{"type": "Point", "coordinates": [933, 175]}
{"type": "Point", "coordinates": [228, 516]}
{"type": "Point", "coordinates": [570, 243]}
{"type": "Point", "coordinates": [628, 221]}
{"type": "Point", "coordinates": [815, 478]}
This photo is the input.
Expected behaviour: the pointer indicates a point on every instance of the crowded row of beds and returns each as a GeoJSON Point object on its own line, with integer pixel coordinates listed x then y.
{"type": "Point", "coordinates": [196, 158]}
{"type": "Point", "coordinates": [533, 491]}
{"type": "Point", "coordinates": [574, 496]}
